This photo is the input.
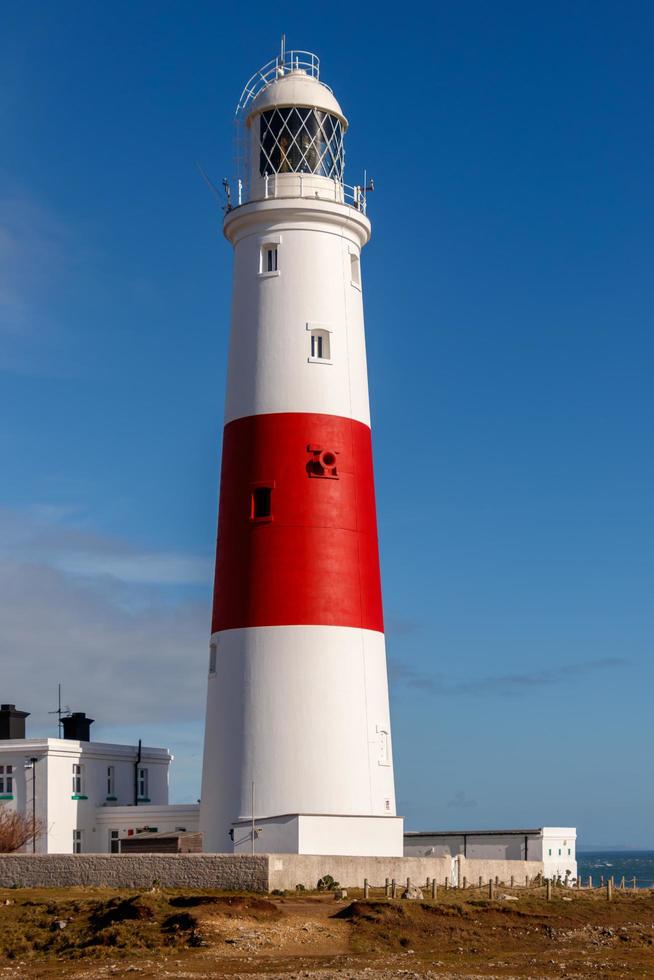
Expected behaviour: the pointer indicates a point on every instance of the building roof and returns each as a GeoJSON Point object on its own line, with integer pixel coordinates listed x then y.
{"type": "Point", "coordinates": [473, 833]}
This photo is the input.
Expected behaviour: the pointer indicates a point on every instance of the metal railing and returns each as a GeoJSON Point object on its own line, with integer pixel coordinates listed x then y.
{"type": "Point", "coordinates": [331, 190]}
{"type": "Point", "coordinates": [284, 62]}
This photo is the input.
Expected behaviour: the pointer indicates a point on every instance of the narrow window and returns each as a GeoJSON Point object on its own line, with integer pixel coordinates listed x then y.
{"type": "Point", "coordinates": [142, 784]}
{"type": "Point", "coordinates": [569, 852]}
{"type": "Point", "coordinates": [77, 841]}
{"type": "Point", "coordinates": [269, 259]}
{"type": "Point", "coordinates": [549, 851]}
{"type": "Point", "coordinates": [114, 842]}
{"type": "Point", "coordinates": [559, 852]}
{"type": "Point", "coordinates": [320, 349]}
{"type": "Point", "coordinates": [212, 658]}
{"type": "Point", "coordinates": [77, 779]}
{"type": "Point", "coordinates": [261, 503]}
{"type": "Point", "coordinates": [355, 270]}
{"type": "Point", "coordinates": [111, 781]}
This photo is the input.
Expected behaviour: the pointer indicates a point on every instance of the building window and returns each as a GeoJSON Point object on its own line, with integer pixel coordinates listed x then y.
{"type": "Point", "coordinates": [114, 842]}
{"type": "Point", "coordinates": [142, 784]}
{"type": "Point", "coordinates": [569, 852]}
{"type": "Point", "coordinates": [213, 651]}
{"type": "Point", "coordinates": [6, 780]}
{"type": "Point", "coordinates": [355, 270]}
{"type": "Point", "coordinates": [559, 852]}
{"type": "Point", "coordinates": [111, 781]}
{"type": "Point", "coordinates": [549, 851]}
{"type": "Point", "coordinates": [78, 781]}
{"type": "Point", "coordinates": [320, 346]}
{"type": "Point", "coordinates": [261, 504]}
{"type": "Point", "coordinates": [77, 841]}
{"type": "Point", "coordinates": [269, 260]}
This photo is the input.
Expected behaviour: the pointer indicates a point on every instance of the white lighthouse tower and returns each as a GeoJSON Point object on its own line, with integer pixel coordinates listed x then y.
{"type": "Point", "coordinates": [298, 752]}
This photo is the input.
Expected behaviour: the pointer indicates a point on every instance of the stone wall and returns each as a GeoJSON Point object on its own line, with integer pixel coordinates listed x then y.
{"type": "Point", "coordinates": [245, 872]}
{"type": "Point", "coordinates": [223, 871]}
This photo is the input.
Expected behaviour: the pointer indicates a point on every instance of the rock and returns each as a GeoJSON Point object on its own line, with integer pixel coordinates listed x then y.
{"type": "Point", "coordinates": [412, 892]}
{"type": "Point", "coordinates": [509, 898]}
{"type": "Point", "coordinates": [59, 924]}
{"type": "Point", "coordinates": [340, 894]}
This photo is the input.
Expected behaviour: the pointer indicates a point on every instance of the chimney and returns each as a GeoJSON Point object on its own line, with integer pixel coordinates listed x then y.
{"type": "Point", "coordinates": [12, 722]}
{"type": "Point", "coordinates": [77, 726]}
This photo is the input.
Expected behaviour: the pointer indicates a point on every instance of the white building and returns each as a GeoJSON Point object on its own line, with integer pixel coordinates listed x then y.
{"type": "Point", "coordinates": [85, 794]}
{"type": "Point", "coordinates": [554, 846]}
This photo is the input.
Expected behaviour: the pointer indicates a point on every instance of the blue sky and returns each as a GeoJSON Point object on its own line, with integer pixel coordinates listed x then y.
{"type": "Point", "coordinates": [509, 296]}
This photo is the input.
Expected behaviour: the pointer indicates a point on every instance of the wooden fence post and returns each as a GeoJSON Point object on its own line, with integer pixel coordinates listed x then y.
{"type": "Point", "coordinates": [434, 889]}
{"type": "Point", "coordinates": [465, 882]}
{"type": "Point", "coordinates": [387, 887]}
{"type": "Point", "coordinates": [393, 889]}
{"type": "Point", "coordinates": [490, 888]}
{"type": "Point", "coordinates": [633, 884]}
{"type": "Point", "coordinates": [549, 889]}
{"type": "Point", "coordinates": [590, 881]}
{"type": "Point", "coordinates": [366, 888]}
{"type": "Point", "coordinates": [609, 890]}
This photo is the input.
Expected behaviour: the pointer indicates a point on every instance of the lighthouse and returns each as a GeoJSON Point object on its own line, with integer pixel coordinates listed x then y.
{"type": "Point", "coordinates": [298, 753]}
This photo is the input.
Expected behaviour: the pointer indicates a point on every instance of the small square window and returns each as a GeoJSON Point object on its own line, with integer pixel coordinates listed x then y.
{"type": "Point", "coordinates": [261, 504]}
{"type": "Point", "coordinates": [77, 841]}
{"type": "Point", "coordinates": [111, 780]}
{"type": "Point", "coordinates": [213, 651]}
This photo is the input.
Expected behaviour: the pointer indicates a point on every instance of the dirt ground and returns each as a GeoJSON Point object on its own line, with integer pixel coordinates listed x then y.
{"type": "Point", "coordinates": [99, 933]}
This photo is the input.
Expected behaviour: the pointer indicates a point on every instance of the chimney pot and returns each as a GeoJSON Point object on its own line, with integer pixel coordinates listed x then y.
{"type": "Point", "coordinates": [12, 722]}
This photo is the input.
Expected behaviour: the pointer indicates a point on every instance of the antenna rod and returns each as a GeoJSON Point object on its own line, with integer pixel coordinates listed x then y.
{"type": "Point", "coordinates": [282, 56]}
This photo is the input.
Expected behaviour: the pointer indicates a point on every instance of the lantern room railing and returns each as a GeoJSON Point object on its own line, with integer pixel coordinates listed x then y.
{"type": "Point", "coordinates": [286, 61]}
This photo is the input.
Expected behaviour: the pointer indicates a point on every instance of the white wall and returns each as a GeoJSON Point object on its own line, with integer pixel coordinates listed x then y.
{"type": "Point", "coordinates": [307, 833]}
{"type": "Point", "coordinates": [296, 710]}
{"type": "Point", "coordinates": [562, 843]}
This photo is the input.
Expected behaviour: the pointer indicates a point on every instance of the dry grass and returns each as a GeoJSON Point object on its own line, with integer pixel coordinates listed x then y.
{"type": "Point", "coordinates": [99, 932]}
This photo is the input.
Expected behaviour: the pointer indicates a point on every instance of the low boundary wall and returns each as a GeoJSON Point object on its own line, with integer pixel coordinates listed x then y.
{"type": "Point", "coordinates": [289, 870]}
{"type": "Point", "coordinates": [244, 872]}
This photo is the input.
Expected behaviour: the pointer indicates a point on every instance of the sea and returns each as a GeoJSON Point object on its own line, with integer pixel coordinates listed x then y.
{"type": "Point", "coordinates": [631, 864]}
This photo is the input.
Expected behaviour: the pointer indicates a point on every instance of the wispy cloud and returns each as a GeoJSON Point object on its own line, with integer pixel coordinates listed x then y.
{"type": "Point", "coordinates": [59, 537]}
{"type": "Point", "coordinates": [501, 684]}
{"type": "Point", "coordinates": [36, 251]}
{"type": "Point", "coordinates": [95, 614]}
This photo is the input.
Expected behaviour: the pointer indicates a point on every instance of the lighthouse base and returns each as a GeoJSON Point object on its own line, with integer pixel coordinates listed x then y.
{"type": "Point", "coordinates": [321, 833]}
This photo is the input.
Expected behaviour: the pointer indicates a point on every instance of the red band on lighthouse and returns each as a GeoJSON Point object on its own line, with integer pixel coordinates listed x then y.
{"type": "Point", "coordinates": [309, 554]}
